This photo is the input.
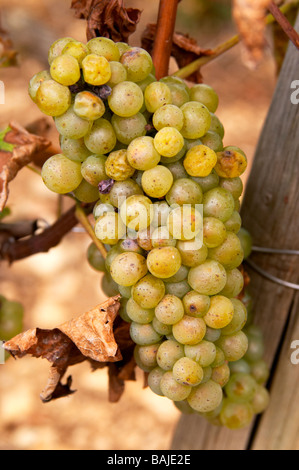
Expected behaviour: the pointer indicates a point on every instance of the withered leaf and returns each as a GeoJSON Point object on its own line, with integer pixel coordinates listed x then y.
{"type": "Point", "coordinates": [184, 49]}
{"type": "Point", "coordinates": [108, 18]}
{"type": "Point", "coordinates": [92, 337]}
{"type": "Point", "coordinates": [8, 55]}
{"type": "Point", "coordinates": [17, 148]}
{"type": "Point", "coordinates": [250, 16]}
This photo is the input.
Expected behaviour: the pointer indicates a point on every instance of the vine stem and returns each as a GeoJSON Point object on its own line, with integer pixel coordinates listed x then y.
{"type": "Point", "coordinates": [284, 23]}
{"type": "Point", "coordinates": [163, 42]}
{"type": "Point", "coordinates": [84, 221]}
{"type": "Point", "coordinates": [219, 50]}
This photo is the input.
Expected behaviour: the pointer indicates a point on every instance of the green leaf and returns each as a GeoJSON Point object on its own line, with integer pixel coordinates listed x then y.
{"type": "Point", "coordinates": [5, 146]}
{"type": "Point", "coordinates": [6, 212]}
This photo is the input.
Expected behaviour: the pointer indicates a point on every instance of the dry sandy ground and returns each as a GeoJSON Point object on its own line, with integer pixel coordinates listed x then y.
{"type": "Point", "coordinates": [57, 286]}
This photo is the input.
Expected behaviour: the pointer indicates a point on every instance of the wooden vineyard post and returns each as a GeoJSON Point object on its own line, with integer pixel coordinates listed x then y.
{"type": "Point", "coordinates": [270, 213]}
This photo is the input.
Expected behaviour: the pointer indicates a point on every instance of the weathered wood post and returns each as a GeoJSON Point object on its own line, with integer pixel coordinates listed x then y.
{"type": "Point", "coordinates": [270, 211]}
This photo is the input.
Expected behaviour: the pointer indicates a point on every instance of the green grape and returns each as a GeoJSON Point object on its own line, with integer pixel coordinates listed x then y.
{"type": "Point", "coordinates": [147, 81]}
{"type": "Point", "coordinates": [86, 193]}
{"type": "Point", "coordinates": [137, 212]}
{"type": "Point", "coordinates": [138, 64]}
{"type": "Point", "coordinates": [148, 292]}
{"type": "Point", "coordinates": [104, 47]}
{"type": "Point", "coordinates": [236, 415]}
{"type": "Point", "coordinates": [57, 48]}
{"type": "Point", "coordinates": [255, 350]}
{"type": "Point", "coordinates": [241, 388]}
{"type": "Point", "coordinates": [206, 397]}
{"type": "Point", "coordinates": [255, 332]}
{"type": "Point", "coordinates": [144, 239]}
{"type": "Point", "coordinates": [172, 389]}
{"type": "Point", "coordinates": [76, 49]}
{"type": "Point", "coordinates": [101, 139]}
{"type": "Point", "coordinates": [234, 283]}
{"type": "Point", "coordinates": [109, 228]}
{"type": "Point", "coordinates": [221, 375]}
{"type": "Point", "coordinates": [179, 289]}
{"type": "Point", "coordinates": [72, 126]}
{"type": "Point", "coordinates": [108, 286]}
{"type": "Point", "coordinates": [11, 319]}
{"type": "Point", "coordinates": [65, 70]}
{"type": "Point", "coordinates": [234, 346]}
{"type": "Point", "coordinates": [220, 313]}
{"type": "Point", "coordinates": [168, 116]}
{"type": "Point", "coordinates": [206, 95]}
{"type": "Point", "coordinates": [169, 353]}
{"type": "Point", "coordinates": [197, 120]}
{"type": "Point", "coordinates": [261, 400]}
{"type": "Point", "coordinates": [176, 158]}
{"type": "Point", "coordinates": [74, 149]}
{"type": "Point", "coordinates": [96, 70]}
{"type": "Point", "coordinates": [173, 80]}
{"type": "Point", "coordinates": [178, 89]}
{"type": "Point", "coordinates": [128, 268]}
{"type": "Point", "coordinates": [164, 262]}
{"type": "Point", "coordinates": [187, 372]}
{"type": "Point", "coordinates": [180, 276]}
{"type": "Point", "coordinates": [157, 181]}
{"type": "Point", "coordinates": [156, 95]}
{"type": "Point", "coordinates": [61, 175]}
{"type": "Point", "coordinates": [233, 185]}
{"type": "Point", "coordinates": [230, 253]}
{"type": "Point", "coordinates": [161, 213]}
{"type": "Point", "coordinates": [220, 357]}
{"type": "Point", "coordinates": [185, 223]}
{"type": "Point", "coordinates": [122, 190]}
{"type": "Point", "coordinates": [212, 335]}
{"type": "Point", "coordinates": [148, 354]}
{"type": "Point", "coordinates": [129, 128]}
{"type": "Point", "coordinates": [36, 82]}
{"type": "Point", "coordinates": [189, 330]}
{"type": "Point", "coordinates": [192, 252]}
{"type": "Point", "coordinates": [89, 106]}
{"type": "Point", "coordinates": [214, 232]}
{"type": "Point", "coordinates": [184, 407]}
{"type": "Point", "coordinates": [111, 255]}
{"type": "Point", "coordinates": [93, 169]}
{"type": "Point", "coordinates": [126, 99]}
{"type": "Point", "coordinates": [200, 161]}
{"type": "Point", "coordinates": [209, 278]}
{"type": "Point", "coordinates": [95, 258]}
{"type": "Point", "coordinates": [125, 291]}
{"type": "Point", "coordinates": [169, 142]}
{"type": "Point", "coordinates": [144, 335]}
{"type": "Point", "coordinates": [216, 126]}
{"type": "Point", "coordinates": [234, 223]}
{"type": "Point", "coordinates": [161, 238]}
{"type": "Point", "coordinates": [231, 163]}
{"type": "Point", "coordinates": [142, 154]}
{"type": "Point", "coordinates": [260, 371]}
{"type": "Point", "coordinates": [122, 47]}
{"type": "Point", "coordinates": [154, 380]}
{"type": "Point", "coordinates": [139, 362]}
{"type": "Point", "coordinates": [246, 242]}
{"type": "Point", "coordinates": [195, 304]}
{"type": "Point", "coordinates": [207, 374]}
{"type": "Point", "coordinates": [101, 209]}
{"type": "Point", "coordinates": [123, 310]}
{"type": "Point", "coordinates": [184, 191]}
{"type": "Point", "coordinates": [208, 182]}
{"type": "Point", "coordinates": [239, 319]}
{"type": "Point", "coordinates": [118, 74]}
{"type": "Point", "coordinates": [117, 166]}
{"type": "Point", "coordinates": [213, 141]}
{"type": "Point", "coordinates": [170, 310]}
{"type": "Point", "coordinates": [204, 353]}
{"type": "Point", "coordinates": [52, 98]}
{"type": "Point", "coordinates": [240, 367]}
{"type": "Point", "coordinates": [178, 171]}
{"type": "Point", "coordinates": [161, 328]}
{"type": "Point", "coordinates": [218, 203]}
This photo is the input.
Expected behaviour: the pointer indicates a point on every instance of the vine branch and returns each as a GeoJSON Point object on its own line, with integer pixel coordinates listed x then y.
{"type": "Point", "coordinates": [284, 23]}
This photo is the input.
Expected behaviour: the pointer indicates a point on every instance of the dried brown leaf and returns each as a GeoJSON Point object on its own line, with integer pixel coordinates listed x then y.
{"type": "Point", "coordinates": [17, 148]}
{"type": "Point", "coordinates": [250, 16]}
{"type": "Point", "coordinates": [8, 55]}
{"type": "Point", "coordinates": [89, 337]}
{"type": "Point", "coordinates": [108, 18]}
{"type": "Point", "coordinates": [184, 49]}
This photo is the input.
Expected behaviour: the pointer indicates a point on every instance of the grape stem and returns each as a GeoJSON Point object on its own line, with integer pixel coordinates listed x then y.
{"type": "Point", "coordinates": [84, 221]}
{"type": "Point", "coordinates": [164, 34]}
{"type": "Point", "coordinates": [219, 50]}
{"type": "Point", "coordinates": [284, 23]}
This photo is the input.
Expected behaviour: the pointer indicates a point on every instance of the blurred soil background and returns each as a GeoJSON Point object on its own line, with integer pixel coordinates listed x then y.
{"type": "Point", "coordinates": [57, 286]}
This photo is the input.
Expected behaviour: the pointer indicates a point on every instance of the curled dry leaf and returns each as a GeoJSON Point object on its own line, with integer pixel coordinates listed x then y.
{"type": "Point", "coordinates": [17, 148]}
{"type": "Point", "coordinates": [8, 55]}
{"type": "Point", "coordinates": [91, 337]}
{"type": "Point", "coordinates": [108, 18]}
{"type": "Point", "coordinates": [250, 16]}
{"type": "Point", "coordinates": [184, 49]}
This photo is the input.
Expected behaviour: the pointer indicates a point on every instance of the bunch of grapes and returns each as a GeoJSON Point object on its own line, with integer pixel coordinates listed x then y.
{"type": "Point", "coordinates": [11, 319]}
{"type": "Point", "coordinates": [150, 155]}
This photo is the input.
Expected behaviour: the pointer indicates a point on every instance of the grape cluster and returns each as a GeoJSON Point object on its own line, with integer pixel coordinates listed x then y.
{"type": "Point", "coordinates": [11, 319]}
{"type": "Point", "coordinates": [150, 155]}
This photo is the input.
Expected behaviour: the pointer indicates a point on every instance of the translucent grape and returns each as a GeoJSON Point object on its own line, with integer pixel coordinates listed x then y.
{"type": "Point", "coordinates": [206, 95]}
{"type": "Point", "coordinates": [101, 139]}
{"type": "Point", "coordinates": [105, 47]}
{"type": "Point", "coordinates": [74, 149]}
{"type": "Point", "coordinates": [241, 388]}
{"type": "Point", "coordinates": [148, 291]}
{"type": "Point", "coordinates": [187, 372]}
{"type": "Point", "coordinates": [204, 353]}
{"type": "Point", "coordinates": [214, 232]}
{"type": "Point", "coordinates": [209, 278]}
{"type": "Point", "coordinates": [206, 397]}
{"type": "Point", "coordinates": [189, 330]}
{"type": "Point", "coordinates": [172, 389]}
{"type": "Point", "coordinates": [168, 116]}
{"type": "Point", "coordinates": [109, 228]}
{"type": "Point", "coordinates": [169, 142]}
{"type": "Point", "coordinates": [234, 346]}
{"type": "Point", "coordinates": [221, 375]}
{"type": "Point", "coordinates": [261, 400]}
{"type": "Point", "coordinates": [179, 289]}
{"type": "Point", "coordinates": [126, 99]}
{"type": "Point", "coordinates": [164, 262]}
{"type": "Point", "coordinates": [246, 242]}
{"type": "Point", "coordinates": [234, 223]}
{"type": "Point", "coordinates": [240, 366]}
{"type": "Point", "coordinates": [218, 203]}
{"type": "Point", "coordinates": [154, 380]}
{"type": "Point", "coordinates": [146, 82]}
{"type": "Point", "coordinates": [169, 353]}
{"type": "Point", "coordinates": [156, 95]}
{"type": "Point", "coordinates": [76, 49]}
{"type": "Point", "coordinates": [129, 128]}
{"type": "Point", "coordinates": [184, 191]}
{"type": "Point", "coordinates": [236, 415]}
{"type": "Point", "coordinates": [197, 120]}
{"type": "Point", "coordinates": [96, 70]}
{"type": "Point", "coordinates": [122, 47]}
{"type": "Point", "coordinates": [178, 171]}
{"type": "Point", "coordinates": [95, 258]}
{"type": "Point", "coordinates": [72, 126]}
{"type": "Point", "coordinates": [36, 82]}
{"type": "Point", "coordinates": [220, 357]}
{"type": "Point", "coordinates": [212, 335]}
{"type": "Point", "coordinates": [180, 276]}
{"type": "Point", "coordinates": [234, 284]}
{"type": "Point", "coordinates": [233, 185]}
{"type": "Point", "coordinates": [239, 319]}
{"type": "Point", "coordinates": [216, 125]}
{"type": "Point", "coordinates": [220, 313]}
{"type": "Point", "coordinates": [192, 252]}
{"type": "Point", "coordinates": [144, 239]}
{"type": "Point", "coordinates": [86, 192]}
{"type": "Point", "coordinates": [57, 48]}
{"type": "Point", "coordinates": [144, 335]}
{"type": "Point", "coordinates": [61, 175]}
{"type": "Point", "coordinates": [93, 169]}
{"type": "Point", "coordinates": [102, 209]}
{"type": "Point", "coordinates": [157, 181]}
{"type": "Point", "coordinates": [65, 70]}
{"type": "Point", "coordinates": [161, 213]}
{"type": "Point", "coordinates": [208, 182]}
{"type": "Point", "coordinates": [138, 64]}
{"type": "Point", "coordinates": [195, 304]}
{"type": "Point", "coordinates": [52, 98]}
{"type": "Point", "coordinates": [161, 328]}
{"type": "Point", "coordinates": [118, 74]}
{"type": "Point", "coordinates": [128, 268]}
{"type": "Point", "coordinates": [230, 253]}
{"type": "Point", "coordinates": [142, 154]}
{"type": "Point", "coordinates": [170, 310]}
{"type": "Point", "coordinates": [213, 141]}
{"type": "Point", "coordinates": [88, 106]}
{"type": "Point", "coordinates": [125, 291]}
{"type": "Point", "coordinates": [111, 255]}
{"type": "Point", "coordinates": [148, 354]}
{"type": "Point", "coordinates": [139, 314]}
